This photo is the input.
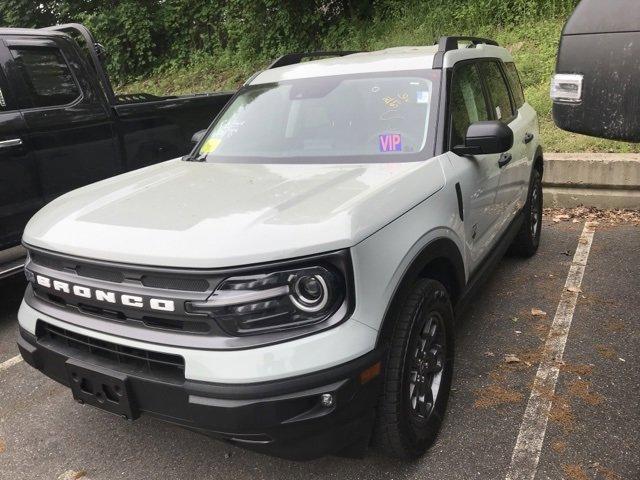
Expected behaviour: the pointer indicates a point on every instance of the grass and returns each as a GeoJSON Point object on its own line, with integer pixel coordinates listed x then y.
{"type": "Point", "coordinates": [533, 47]}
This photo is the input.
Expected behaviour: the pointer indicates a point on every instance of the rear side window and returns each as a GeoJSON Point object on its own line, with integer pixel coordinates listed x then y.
{"type": "Point", "coordinates": [516, 85]}
{"type": "Point", "coordinates": [498, 90]}
{"type": "Point", "coordinates": [467, 102]}
{"type": "Point", "coordinates": [46, 75]}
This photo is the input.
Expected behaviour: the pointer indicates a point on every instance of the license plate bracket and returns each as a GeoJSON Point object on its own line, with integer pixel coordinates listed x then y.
{"type": "Point", "coordinates": [102, 388]}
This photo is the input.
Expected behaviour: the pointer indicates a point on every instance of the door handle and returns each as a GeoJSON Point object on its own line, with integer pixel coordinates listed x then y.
{"type": "Point", "coordinates": [528, 137]}
{"type": "Point", "coordinates": [504, 159]}
{"type": "Point", "coordinates": [14, 142]}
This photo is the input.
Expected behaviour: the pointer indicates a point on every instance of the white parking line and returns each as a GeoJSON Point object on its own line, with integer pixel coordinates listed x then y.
{"type": "Point", "coordinates": [9, 363]}
{"type": "Point", "coordinates": [526, 453]}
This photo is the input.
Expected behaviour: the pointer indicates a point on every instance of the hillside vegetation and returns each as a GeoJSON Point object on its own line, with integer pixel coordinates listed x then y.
{"type": "Point", "coordinates": [533, 45]}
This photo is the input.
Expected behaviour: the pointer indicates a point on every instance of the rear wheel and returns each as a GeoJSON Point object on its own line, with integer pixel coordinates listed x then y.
{"type": "Point", "coordinates": [528, 239]}
{"type": "Point", "coordinates": [419, 368]}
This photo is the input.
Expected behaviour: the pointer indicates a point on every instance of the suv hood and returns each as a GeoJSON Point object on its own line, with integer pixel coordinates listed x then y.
{"type": "Point", "coordinates": [208, 215]}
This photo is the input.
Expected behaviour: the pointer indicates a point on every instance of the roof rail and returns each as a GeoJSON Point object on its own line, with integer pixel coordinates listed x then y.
{"type": "Point", "coordinates": [446, 44]}
{"type": "Point", "coordinates": [293, 58]}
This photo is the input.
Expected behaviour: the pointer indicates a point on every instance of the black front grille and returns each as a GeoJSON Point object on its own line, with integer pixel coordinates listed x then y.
{"type": "Point", "coordinates": [46, 261]}
{"type": "Point", "coordinates": [176, 283]}
{"type": "Point", "coordinates": [105, 274]}
{"type": "Point", "coordinates": [178, 280]}
{"type": "Point", "coordinates": [118, 357]}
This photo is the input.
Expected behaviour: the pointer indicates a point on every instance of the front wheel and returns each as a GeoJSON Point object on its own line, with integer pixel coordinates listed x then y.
{"type": "Point", "coordinates": [528, 239]}
{"type": "Point", "coordinates": [419, 369]}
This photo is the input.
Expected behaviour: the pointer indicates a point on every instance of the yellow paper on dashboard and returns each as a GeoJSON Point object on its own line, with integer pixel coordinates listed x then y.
{"type": "Point", "coordinates": [210, 145]}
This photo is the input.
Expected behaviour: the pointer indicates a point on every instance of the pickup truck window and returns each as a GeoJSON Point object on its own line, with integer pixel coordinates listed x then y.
{"type": "Point", "coordinates": [351, 117]}
{"type": "Point", "coordinates": [3, 100]}
{"type": "Point", "coordinates": [6, 101]}
{"type": "Point", "coordinates": [47, 77]}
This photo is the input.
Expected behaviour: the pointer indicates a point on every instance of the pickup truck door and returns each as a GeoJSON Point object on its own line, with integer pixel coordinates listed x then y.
{"type": "Point", "coordinates": [20, 194]}
{"type": "Point", "coordinates": [478, 176]}
{"type": "Point", "coordinates": [70, 129]}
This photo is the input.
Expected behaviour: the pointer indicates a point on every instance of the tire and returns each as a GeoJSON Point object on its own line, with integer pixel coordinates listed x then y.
{"type": "Point", "coordinates": [528, 238]}
{"type": "Point", "coordinates": [406, 423]}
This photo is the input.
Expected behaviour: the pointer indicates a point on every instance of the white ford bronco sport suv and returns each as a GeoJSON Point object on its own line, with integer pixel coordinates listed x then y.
{"type": "Point", "coordinates": [291, 285]}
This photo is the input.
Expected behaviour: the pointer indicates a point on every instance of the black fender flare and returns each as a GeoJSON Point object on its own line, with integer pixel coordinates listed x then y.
{"type": "Point", "coordinates": [439, 250]}
{"type": "Point", "coordinates": [537, 158]}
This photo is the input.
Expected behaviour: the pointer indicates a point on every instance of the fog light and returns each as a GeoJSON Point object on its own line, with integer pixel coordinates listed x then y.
{"type": "Point", "coordinates": [327, 400]}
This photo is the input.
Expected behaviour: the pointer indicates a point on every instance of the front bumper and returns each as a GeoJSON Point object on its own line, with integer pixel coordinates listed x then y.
{"type": "Point", "coordinates": [281, 417]}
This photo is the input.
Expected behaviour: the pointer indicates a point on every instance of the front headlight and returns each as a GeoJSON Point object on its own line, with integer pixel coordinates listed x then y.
{"type": "Point", "coordinates": [276, 300]}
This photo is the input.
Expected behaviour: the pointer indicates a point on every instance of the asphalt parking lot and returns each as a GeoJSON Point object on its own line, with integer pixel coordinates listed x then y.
{"type": "Point", "coordinates": [593, 428]}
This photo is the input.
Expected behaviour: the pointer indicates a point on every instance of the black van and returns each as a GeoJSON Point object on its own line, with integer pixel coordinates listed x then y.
{"type": "Point", "coordinates": [596, 89]}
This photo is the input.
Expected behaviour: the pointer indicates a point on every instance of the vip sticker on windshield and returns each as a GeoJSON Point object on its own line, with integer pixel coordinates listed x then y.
{"type": "Point", "coordinates": [210, 145]}
{"type": "Point", "coordinates": [390, 142]}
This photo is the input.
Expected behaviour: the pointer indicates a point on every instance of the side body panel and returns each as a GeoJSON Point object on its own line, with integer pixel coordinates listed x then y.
{"type": "Point", "coordinates": [381, 260]}
{"type": "Point", "coordinates": [479, 178]}
{"type": "Point", "coordinates": [20, 192]}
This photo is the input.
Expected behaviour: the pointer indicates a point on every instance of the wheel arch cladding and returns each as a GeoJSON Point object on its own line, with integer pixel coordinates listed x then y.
{"type": "Point", "coordinates": [538, 160]}
{"type": "Point", "coordinates": [439, 260]}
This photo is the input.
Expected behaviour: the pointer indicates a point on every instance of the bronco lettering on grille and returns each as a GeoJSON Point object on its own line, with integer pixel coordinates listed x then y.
{"type": "Point", "coordinates": [127, 300]}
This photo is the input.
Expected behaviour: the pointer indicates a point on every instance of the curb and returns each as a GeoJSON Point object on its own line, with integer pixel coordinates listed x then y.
{"type": "Point", "coordinates": [601, 180]}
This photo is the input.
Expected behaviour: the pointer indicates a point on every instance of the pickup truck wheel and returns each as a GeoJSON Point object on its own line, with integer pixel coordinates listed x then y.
{"type": "Point", "coordinates": [419, 369]}
{"type": "Point", "coordinates": [528, 239]}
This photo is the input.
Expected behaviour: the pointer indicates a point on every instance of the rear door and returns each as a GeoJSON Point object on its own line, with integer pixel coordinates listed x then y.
{"type": "Point", "coordinates": [20, 194]}
{"type": "Point", "coordinates": [504, 109]}
{"type": "Point", "coordinates": [71, 133]}
{"type": "Point", "coordinates": [525, 131]}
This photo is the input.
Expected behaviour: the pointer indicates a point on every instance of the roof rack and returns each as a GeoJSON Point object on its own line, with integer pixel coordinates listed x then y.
{"type": "Point", "coordinates": [293, 58]}
{"type": "Point", "coordinates": [446, 44]}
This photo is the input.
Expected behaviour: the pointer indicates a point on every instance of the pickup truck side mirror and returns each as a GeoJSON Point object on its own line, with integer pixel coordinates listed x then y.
{"type": "Point", "coordinates": [486, 137]}
{"type": "Point", "coordinates": [198, 136]}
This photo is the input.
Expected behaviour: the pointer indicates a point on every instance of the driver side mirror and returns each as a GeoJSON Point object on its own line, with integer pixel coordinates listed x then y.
{"type": "Point", "coordinates": [486, 137]}
{"type": "Point", "coordinates": [198, 136]}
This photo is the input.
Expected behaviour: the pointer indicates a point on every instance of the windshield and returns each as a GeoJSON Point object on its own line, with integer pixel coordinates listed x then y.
{"type": "Point", "coordinates": [326, 119]}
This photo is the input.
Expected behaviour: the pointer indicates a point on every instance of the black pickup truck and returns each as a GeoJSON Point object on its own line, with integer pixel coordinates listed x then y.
{"type": "Point", "coordinates": [62, 126]}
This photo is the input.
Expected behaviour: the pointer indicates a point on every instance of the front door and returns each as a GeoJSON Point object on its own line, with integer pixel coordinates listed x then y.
{"type": "Point", "coordinates": [20, 194]}
{"type": "Point", "coordinates": [70, 128]}
{"type": "Point", "coordinates": [478, 175]}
